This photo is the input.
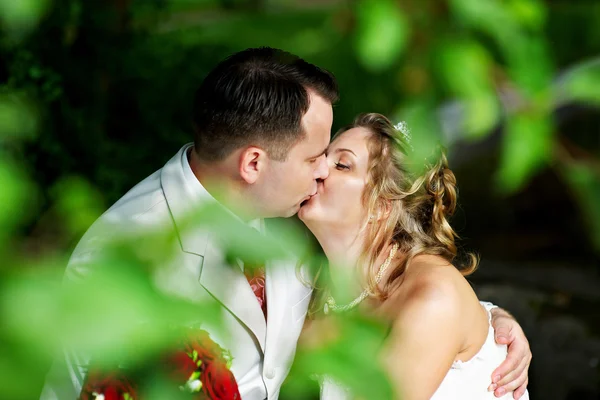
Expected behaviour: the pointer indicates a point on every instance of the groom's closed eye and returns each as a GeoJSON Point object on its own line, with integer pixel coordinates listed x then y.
{"type": "Point", "coordinates": [315, 158]}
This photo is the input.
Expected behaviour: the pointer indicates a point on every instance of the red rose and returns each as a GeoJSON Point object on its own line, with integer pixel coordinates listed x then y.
{"type": "Point", "coordinates": [201, 342]}
{"type": "Point", "coordinates": [113, 385]}
{"type": "Point", "coordinates": [218, 382]}
{"type": "Point", "coordinates": [111, 393]}
{"type": "Point", "coordinates": [181, 366]}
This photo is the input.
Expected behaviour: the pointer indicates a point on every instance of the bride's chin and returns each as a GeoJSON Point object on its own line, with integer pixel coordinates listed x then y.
{"type": "Point", "coordinates": [306, 213]}
{"type": "Point", "coordinates": [303, 213]}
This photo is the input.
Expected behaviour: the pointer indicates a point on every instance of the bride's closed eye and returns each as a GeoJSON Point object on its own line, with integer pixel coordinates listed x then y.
{"type": "Point", "coordinates": [341, 166]}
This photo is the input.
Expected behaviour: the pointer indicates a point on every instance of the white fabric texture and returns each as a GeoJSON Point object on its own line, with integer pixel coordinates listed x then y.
{"type": "Point", "coordinates": [467, 380]}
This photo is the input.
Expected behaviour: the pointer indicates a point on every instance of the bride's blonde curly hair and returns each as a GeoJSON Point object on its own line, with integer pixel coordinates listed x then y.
{"type": "Point", "coordinates": [415, 209]}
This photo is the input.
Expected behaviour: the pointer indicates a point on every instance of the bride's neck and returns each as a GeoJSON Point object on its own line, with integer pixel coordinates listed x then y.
{"type": "Point", "coordinates": [342, 248]}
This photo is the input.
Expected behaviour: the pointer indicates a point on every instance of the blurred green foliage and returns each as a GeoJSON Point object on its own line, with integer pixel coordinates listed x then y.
{"type": "Point", "coordinates": [97, 95]}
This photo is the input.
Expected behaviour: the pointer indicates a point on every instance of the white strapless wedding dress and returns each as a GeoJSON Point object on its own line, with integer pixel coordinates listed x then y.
{"type": "Point", "coordinates": [466, 380]}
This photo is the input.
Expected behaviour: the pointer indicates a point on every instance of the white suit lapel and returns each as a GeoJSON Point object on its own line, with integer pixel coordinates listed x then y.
{"type": "Point", "coordinates": [224, 282]}
{"type": "Point", "coordinates": [229, 285]}
{"type": "Point", "coordinates": [287, 304]}
{"type": "Point", "coordinates": [287, 297]}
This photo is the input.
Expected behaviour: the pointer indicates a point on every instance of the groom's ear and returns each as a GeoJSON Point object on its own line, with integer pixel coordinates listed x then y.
{"type": "Point", "coordinates": [251, 163]}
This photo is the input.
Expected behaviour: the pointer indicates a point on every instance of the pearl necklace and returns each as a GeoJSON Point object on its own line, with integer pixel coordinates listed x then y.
{"type": "Point", "coordinates": [330, 303]}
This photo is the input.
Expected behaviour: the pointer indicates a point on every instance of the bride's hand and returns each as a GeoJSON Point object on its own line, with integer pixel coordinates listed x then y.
{"type": "Point", "coordinates": [511, 375]}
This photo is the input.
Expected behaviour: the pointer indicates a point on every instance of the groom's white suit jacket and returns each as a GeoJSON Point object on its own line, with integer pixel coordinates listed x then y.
{"type": "Point", "coordinates": [262, 353]}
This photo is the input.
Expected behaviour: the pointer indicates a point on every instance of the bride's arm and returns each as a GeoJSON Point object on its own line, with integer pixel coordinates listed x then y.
{"type": "Point", "coordinates": [424, 341]}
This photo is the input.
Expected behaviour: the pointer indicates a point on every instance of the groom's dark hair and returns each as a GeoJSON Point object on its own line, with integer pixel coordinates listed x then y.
{"type": "Point", "coordinates": [256, 96]}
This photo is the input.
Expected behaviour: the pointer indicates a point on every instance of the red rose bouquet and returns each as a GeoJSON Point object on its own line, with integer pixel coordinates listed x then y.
{"type": "Point", "coordinates": [198, 366]}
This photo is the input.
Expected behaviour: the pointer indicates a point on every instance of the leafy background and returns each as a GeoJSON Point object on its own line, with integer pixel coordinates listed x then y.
{"type": "Point", "coordinates": [97, 95]}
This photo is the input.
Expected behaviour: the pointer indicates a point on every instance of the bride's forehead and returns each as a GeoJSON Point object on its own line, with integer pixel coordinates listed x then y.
{"type": "Point", "coordinates": [355, 137]}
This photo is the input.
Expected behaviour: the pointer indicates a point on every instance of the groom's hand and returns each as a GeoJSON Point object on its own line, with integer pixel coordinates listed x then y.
{"type": "Point", "coordinates": [511, 375]}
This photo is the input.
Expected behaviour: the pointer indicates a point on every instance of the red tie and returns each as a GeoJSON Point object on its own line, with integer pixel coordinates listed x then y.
{"type": "Point", "coordinates": [256, 278]}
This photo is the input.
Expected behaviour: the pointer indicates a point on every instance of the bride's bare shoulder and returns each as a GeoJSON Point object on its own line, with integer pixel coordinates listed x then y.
{"type": "Point", "coordinates": [429, 281]}
{"type": "Point", "coordinates": [430, 276]}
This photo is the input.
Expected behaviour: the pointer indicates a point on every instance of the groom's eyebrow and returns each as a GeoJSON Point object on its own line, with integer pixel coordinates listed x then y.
{"type": "Point", "coordinates": [319, 155]}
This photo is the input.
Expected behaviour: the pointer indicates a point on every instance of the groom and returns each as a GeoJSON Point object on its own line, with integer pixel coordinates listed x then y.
{"type": "Point", "coordinates": [262, 122]}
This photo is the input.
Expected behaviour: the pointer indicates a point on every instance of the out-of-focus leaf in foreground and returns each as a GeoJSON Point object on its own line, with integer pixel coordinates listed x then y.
{"type": "Point", "coordinates": [76, 194]}
{"type": "Point", "coordinates": [425, 133]}
{"type": "Point", "coordinates": [349, 354]}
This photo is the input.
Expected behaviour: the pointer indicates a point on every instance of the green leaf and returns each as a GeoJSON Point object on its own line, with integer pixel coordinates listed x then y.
{"type": "Point", "coordinates": [527, 146]}
{"type": "Point", "coordinates": [466, 69]}
{"type": "Point", "coordinates": [527, 55]}
{"type": "Point", "coordinates": [582, 83]}
{"type": "Point", "coordinates": [195, 375]}
{"type": "Point", "coordinates": [530, 66]}
{"type": "Point", "coordinates": [382, 33]}
{"type": "Point", "coordinates": [22, 15]}
{"type": "Point", "coordinates": [482, 113]}
{"type": "Point", "coordinates": [529, 13]}
{"type": "Point", "coordinates": [76, 194]}
{"type": "Point", "coordinates": [350, 360]}
{"type": "Point", "coordinates": [490, 16]}
{"type": "Point", "coordinates": [585, 184]}
{"type": "Point", "coordinates": [425, 133]}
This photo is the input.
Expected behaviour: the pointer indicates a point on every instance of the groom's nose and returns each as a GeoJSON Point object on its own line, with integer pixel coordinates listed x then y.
{"type": "Point", "coordinates": [322, 170]}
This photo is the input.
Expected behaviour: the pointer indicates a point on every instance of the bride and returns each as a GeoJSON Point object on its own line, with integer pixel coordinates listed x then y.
{"type": "Point", "coordinates": [373, 214]}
